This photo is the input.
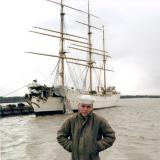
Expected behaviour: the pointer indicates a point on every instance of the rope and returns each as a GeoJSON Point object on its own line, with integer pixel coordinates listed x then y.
{"type": "Point", "coordinates": [30, 103]}
{"type": "Point", "coordinates": [14, 91]}
{"type": "Point", "coordinates": [98, 77]}
{"type": "Point", "coordinates": [55, 68]}
{"type": "Point", "coordinates": [72, 76]}
{"type": "Point", "coordinates": [85, 79]}
{"type": "Point", "coordinates": [57, 74]}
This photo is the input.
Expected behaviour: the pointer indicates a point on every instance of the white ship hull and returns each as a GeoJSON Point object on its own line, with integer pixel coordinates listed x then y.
{"type": "Point", "coordinates": [49, 106]}
{"type": "Point", "coordinates": [55, 105]}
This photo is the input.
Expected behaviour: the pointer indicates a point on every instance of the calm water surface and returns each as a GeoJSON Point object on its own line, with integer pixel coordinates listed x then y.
{"type": "Point", "coordinates": [136, 123]}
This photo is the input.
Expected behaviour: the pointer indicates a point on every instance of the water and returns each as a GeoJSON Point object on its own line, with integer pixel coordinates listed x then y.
{"type": "Point", "coordinates": [136, 123]}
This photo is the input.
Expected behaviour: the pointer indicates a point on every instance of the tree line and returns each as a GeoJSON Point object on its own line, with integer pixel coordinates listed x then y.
{"type": "Point", "coordinates": [11, 99]}
{"type": "Point", "coordinates": [140, 96]}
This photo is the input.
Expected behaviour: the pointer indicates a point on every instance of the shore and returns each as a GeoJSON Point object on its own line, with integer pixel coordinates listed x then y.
{"type": "Point", "coordinates": [140, 96]}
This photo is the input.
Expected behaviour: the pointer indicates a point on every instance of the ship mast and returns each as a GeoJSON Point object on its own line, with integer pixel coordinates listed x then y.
{"type": "Point", "coordinates": [89, 48]}
{"type": "Point", "coordinates": [78, 44]}
{"type": "Point", "coordinates": [104, 60]}
{"type": "Point", "coordinates": [62, 53]}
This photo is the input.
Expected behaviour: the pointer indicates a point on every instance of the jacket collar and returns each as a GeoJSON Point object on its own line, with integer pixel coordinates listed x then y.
{"type": "Point", "coordinates": [84, 118]}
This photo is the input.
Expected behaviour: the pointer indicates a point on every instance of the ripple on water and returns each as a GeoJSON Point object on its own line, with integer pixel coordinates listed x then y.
{"type": "Point", "coordinates": [136, 123]}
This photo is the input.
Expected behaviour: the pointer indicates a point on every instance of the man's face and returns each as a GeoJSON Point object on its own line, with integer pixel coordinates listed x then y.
{"type": "Point", "coordinates": [85, 109]}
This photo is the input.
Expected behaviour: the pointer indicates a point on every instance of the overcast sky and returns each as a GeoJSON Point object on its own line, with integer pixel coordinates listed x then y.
{"type": "Point", "coordinates": [133, 36]}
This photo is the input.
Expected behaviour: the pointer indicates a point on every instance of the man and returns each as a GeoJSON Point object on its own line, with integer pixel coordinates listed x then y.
{"type": "Point", "coordinates": [85, 134]}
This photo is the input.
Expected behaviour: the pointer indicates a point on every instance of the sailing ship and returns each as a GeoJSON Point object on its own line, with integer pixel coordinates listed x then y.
{"type": "Point", "coordinates": [60, 97]}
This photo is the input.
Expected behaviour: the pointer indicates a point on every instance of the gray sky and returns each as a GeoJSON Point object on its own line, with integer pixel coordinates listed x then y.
{"type": "Point", "coordinates": [132, 29]}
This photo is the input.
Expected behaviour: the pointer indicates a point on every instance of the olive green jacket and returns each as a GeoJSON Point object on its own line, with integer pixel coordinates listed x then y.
{"type": "Point", "coordinates": [85, 137]}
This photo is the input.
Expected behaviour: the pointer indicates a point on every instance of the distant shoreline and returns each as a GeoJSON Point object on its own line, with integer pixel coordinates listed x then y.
{"type": "Point", "coordinates": [139, 96]}
{"type": "Point", "coordinates": [12, 99]}
{"type": "Point", "coordinates": [22, 99]}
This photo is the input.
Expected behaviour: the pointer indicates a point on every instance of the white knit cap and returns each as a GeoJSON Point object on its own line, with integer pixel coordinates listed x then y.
{"type": "Point", "coordinates": [86, 99]}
